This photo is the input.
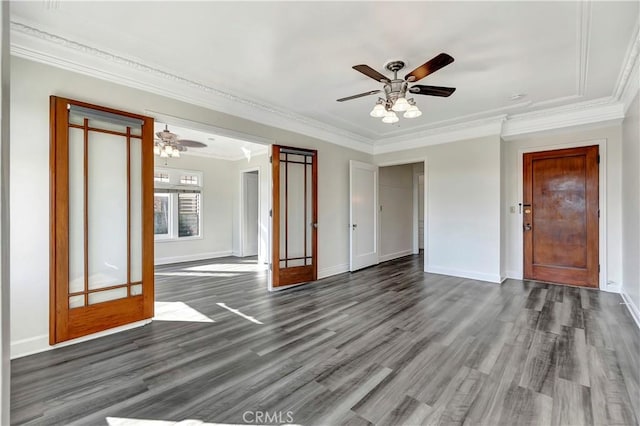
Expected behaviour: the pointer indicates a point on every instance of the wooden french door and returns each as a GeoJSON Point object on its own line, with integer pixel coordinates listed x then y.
{"type": "Point", "coordinates": [295, 215]}
{"type": "Point", "coordinates": [101, 249]}
{"type": "Point", "coordinates": [560, 216]}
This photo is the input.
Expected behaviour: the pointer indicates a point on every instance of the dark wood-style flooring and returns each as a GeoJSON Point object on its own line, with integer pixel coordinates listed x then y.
{"type": "Point", "coordinates": [386, 345]}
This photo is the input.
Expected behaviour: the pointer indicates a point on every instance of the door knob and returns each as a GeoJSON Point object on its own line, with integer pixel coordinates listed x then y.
{"type": "Point", "coordinates": [315, 225]}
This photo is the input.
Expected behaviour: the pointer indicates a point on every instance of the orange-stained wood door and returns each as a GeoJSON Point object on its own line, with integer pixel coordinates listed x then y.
{"type": "Point", "coordinates": [295, 215]}
{"type": "Point", "coordinates": [101, 242]}
{"type": "Point", "coordinates": [560, 216]}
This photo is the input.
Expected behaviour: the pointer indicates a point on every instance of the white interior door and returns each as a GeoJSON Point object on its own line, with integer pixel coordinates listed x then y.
{"type": "Point", "coordinates": [251, 212]}
{"type": "Point", "coordinates": [363, 193]}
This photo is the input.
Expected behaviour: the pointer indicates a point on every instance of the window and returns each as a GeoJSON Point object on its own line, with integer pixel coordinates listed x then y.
{"type": "Point", "coordinates": [160, 176]}
{"type": "Point", "coordinates": [189, 180]}
{"type": "Point", "coordinates": [177, 204]}
{"type": "Point", "coordinates": [161, 215]}
{"type": "Point", "coordinates": [188, 215]}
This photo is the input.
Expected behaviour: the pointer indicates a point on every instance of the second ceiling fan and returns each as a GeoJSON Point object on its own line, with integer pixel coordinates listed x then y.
{"type": "Point", "coordinates": [396, 89]}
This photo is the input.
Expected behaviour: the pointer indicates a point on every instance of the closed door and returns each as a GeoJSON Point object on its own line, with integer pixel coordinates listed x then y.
{"type": "Point", "coordinates": [560, 216]}
{"type": "Point", "coordinates": [363, 194]}
{"type": "Point", "coordinates": [251, 213]}
{"type": "Point", "coordinates": [101, 219]}
{"type": "Point", "coordinates": [295, 216]}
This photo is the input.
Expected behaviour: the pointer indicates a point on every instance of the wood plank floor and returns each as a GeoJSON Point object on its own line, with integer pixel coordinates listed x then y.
{"type": "Point", "coordinates": [386, 345]}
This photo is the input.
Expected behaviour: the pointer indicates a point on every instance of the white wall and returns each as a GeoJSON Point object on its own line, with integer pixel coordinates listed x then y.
{"type": "Point", "coordinates": [396, 214]}
{"type": "Point", "coordinates": [463, 206]}
{"type": "Point", "coordinates": [504, 210]}
{"type": "Point", "coordinates": [31, 87]}
{"type": "Point", "coordinates": [5, 365]}
{"type": "Point", "coordinates": [631, 207]}
{"type": "Point", "coordinates": [611, 217]}
{"type": "Point", "coordinates": [218, 192]}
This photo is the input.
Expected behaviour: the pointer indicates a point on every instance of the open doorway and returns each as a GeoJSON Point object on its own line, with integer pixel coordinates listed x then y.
{"type": "Point", "coordinates": [208, 217]}
{"type": "Point", "coordinates": [401, 210]}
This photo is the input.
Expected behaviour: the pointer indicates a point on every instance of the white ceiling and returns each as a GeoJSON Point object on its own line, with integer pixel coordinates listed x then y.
{"type": "Point", "coordinates": [218, 146]}
{"type": "Point", "coordinates": [297, 56]}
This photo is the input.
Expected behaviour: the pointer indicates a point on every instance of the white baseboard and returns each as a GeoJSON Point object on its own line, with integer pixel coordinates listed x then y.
{"type": "Point", "coordinates": [37, 344]}
{"type": "Point", "coordinates": [192, 257]}
{"type": "Point", "coordinates": [516, 275]}
{"type": "Point", "coordinates": [480, 276]}
{"type": "Point", "coordinates": [391, 256]}
{"type": "Point", "coordinates": [633, 309]}
{"type": "Point", "coordinates": [333, 270]}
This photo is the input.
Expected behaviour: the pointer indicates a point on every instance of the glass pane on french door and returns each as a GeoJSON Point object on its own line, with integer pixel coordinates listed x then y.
{"type": "Point", "coordinates": [105, 211]}
{"type": "Point", "coordinates": [296, 220]}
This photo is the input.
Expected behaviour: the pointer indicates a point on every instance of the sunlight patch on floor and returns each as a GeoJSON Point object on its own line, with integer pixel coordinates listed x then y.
{"type": "Point", "coordinates": [227, 267]}
{"type": "Point", "coordinates": [198, 274]}
{"type": "Point", "coordinates": [178, 311]}
{"type": "Point", "coordinates": [121, 421]}
{"type": "Point", "coordinates": [237, 312]}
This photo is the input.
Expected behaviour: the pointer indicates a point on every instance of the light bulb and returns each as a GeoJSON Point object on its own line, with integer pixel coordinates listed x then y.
{"type": "Point", "coordinates": [168, 149]}
{"type": "Point", "coordinates": [156, 149]}
{"type": "Point", "coordinates": [164, 154]}
{"type": "Point", "coordinates": [390, 118]}
{"type": "Point", "coordinates": [412, 112]}
{"type": "Point", "coordinates": [175, 153]}
{"type": "Point", "coordinates": [400, 104]}
{"type": "Point", "coordinates": [378, 111]}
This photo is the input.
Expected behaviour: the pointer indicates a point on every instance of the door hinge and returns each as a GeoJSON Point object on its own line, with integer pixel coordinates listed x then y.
{"type": "Point", "coordinates": [270, 213]}
{"type": "Point", "coordinates": [598, 158]}
{"type": "Point", "coordinates": [270, 159]}
{"type": "Point", "coordinates": [598, 213]}
{"type": "Point", "coordinates": [270, 266]}
{"type": "Point", "coordinates": [598, 268]}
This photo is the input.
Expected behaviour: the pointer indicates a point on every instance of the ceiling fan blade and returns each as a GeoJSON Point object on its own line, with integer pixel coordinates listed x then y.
{"type": "Point", "coordinates": [192, 144]}
{"type": "Point", "coordinates": [370, 72]}
{"type": "Point", "coordinates": [419, 89]}
{"type": "Point", "coordinates": [442, 60]}
{"type": "Point", "coordinates": [348, 98]}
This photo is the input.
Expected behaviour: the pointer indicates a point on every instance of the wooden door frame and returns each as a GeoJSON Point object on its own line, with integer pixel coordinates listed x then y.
{"type": "Point", "coordinates": [602, 203]}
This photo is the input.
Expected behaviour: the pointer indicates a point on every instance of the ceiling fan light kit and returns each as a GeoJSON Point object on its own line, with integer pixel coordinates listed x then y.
{"type": "Point", "coordinates": [168, 145]}
{"type": "Point", "coordinates": [396, 89]}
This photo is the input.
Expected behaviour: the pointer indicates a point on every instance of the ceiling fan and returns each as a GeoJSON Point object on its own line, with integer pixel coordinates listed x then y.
{"type": "Point", "coordinates": [168, 144]}
{"type": "Point", "coordinates": [396, 89]}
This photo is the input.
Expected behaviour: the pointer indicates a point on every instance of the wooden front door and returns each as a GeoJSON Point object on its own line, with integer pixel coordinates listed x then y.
{"type": "Point", "coordinates": [295, 215]}
{"type": "Point", "coordinates": [101, 254]}
{"type": "Point", "coordinates": [560, 216]}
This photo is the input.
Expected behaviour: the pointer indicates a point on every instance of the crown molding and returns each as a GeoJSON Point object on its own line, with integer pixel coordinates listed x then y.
{"type": "Point", "coordinates": [628, 82]}
{"type": "Point", "coordinates": [31, 43]}
{"type": "Point", "coordinates": [583, 41]}
{"type": "Point", "coordinates": [595, 111]}
{"type": "Point", "coordinates": [469, 130]}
